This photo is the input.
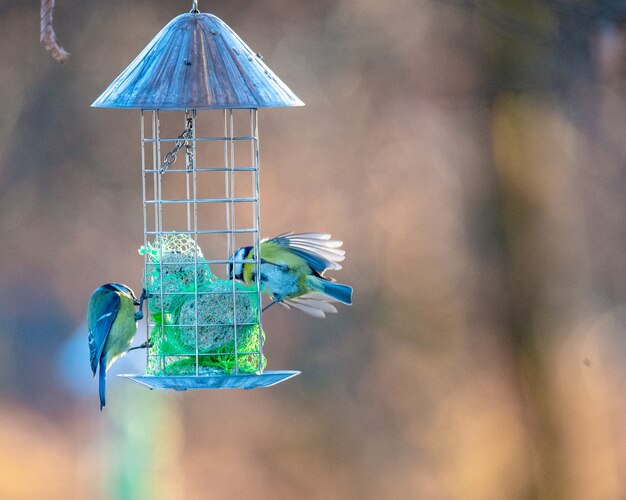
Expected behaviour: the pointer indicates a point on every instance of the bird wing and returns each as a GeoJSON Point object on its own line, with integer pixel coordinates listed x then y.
{"type": "Point", "coordinates": [103, 308]}
{"type": "Point", "coordinates": [318, 249]}
{"type": "Point", "coordinates": [315, 304]}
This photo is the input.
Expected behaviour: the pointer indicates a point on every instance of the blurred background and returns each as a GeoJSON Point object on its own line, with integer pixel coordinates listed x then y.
{"type": "Point", "coordinates": [471, 155]}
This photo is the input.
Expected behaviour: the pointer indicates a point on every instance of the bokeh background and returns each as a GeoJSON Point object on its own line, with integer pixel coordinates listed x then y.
{"type": "Point", "coordinates": [471, 155]}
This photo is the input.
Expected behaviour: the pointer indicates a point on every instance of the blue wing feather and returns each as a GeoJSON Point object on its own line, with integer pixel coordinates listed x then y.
{"type": "Point", "coordinates": [102, 310]}
{"type": "Point", "coordinates": [316, 262]}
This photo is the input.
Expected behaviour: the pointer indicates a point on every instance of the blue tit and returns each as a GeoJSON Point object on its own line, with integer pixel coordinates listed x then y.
{"type": "Point", "coordinates": [292, 271]}
{"type": "Point", "coordinates": [112, 323]}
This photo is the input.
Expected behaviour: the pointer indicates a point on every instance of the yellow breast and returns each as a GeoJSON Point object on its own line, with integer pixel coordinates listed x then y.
{"type": "Point", "coordinates": [122, 332]}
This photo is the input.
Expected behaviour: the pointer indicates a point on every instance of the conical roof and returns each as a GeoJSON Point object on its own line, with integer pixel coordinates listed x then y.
{"type": "Point", "coordinates": [197, 62]}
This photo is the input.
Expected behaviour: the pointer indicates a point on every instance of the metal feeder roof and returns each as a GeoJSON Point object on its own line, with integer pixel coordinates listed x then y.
{"type": "Point", "coordinates": [197, 62]}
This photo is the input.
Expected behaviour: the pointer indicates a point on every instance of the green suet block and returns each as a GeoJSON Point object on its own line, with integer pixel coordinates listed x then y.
{"type": "Point", "coordinates": [200, 321]}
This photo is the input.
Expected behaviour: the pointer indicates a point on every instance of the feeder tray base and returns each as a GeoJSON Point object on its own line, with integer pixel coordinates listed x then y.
{"type": "Point", "coordinates": [184, 382]}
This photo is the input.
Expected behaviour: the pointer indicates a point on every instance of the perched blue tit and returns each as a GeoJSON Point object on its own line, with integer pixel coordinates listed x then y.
{"type": "Point", "coordinates": [292, 271]}
{"type": "Point", "coordinates": [112, 323]}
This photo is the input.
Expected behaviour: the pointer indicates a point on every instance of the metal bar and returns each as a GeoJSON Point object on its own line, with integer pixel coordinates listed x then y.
{"type": "Point", "coordinates": [204, 231]}
{"type": "Point", "coordinates": [195, 237]}
{"type": "Point", "coordinates": [145, 216]}
{"type": "Point", "coordinates": [188, 178]}
{"type": "Point", "coordinates": [232, 234]}
{"type": "Point", "coordinates": [203, 354]}
{"type": "Point", "coordinates": [155, 167]}
{"type": "Point", "coordinates": [239, 292]}
{"type": "Point", "coordinates": [209, 324]}
{"type": "Point", "coordinates": [207, 261]}
{"type": "Point", "coordinates": [225, 139]}
{"type": "Point", "coordinates": [208, 169]}
{"type": "Point", "coordinates": [203, 200]}
{"type": "Point", "coordinates": [255, 160]}
{"type": "Point", "coordinates": [228, 193]}
{"type": "Point", "coordinates": [159, 221]}
{"type": "Point", "coordinates": [229, 249]}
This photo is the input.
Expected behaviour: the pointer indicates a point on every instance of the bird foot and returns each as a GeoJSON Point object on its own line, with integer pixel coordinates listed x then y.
{"type": "Point", "coordinates": [145, 345]}
{"type": "Point", "coordinates": [144, 295]}
{"type": "Point", "coordinates": [269, 305]}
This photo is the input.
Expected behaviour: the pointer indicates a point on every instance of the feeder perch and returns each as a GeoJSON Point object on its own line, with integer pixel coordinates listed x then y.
{"type": "Point", "coordinates": [198, 87]}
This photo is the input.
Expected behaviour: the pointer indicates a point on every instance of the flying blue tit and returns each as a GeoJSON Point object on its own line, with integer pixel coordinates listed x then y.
{"type": "Point", "coordinates": [112, 323]}
{"type": "Point", "coordinates": [292, 271]}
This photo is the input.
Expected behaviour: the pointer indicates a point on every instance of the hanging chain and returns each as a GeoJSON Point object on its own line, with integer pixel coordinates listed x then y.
{"type": "Point", "coordinates": [183, 140]}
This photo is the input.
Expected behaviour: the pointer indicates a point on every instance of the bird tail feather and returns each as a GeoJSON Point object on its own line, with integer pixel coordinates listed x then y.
{"type": "Point", "coordinates": [315, 304]}
{"type": "Point", "coordinates": [103, 379]}
{"type": "Point", "coordinates": [339, 292]}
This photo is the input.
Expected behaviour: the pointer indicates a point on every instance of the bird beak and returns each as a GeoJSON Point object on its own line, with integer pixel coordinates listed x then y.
{"type": "Point", "coordinates": [136, 302]}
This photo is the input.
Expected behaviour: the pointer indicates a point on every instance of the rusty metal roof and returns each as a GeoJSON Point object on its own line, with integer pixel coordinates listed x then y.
{"type": "Point", "coordinates": [197, 62]}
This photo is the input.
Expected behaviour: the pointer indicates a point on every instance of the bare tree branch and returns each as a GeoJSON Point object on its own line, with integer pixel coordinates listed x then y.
{"type": "Point", "coordinates": [47, 36]}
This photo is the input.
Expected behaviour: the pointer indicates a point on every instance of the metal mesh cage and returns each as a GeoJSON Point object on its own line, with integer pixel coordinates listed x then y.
{"type": "Point", "coordinates": [196, 310]}
{"type": "Point", "coordinates": [201, 197]}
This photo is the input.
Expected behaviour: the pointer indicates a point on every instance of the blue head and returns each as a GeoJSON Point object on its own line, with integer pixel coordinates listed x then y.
{"type": "Point", "coordinates": [239, 255]}
{"type": "Point", "coordinates": [119, 287]}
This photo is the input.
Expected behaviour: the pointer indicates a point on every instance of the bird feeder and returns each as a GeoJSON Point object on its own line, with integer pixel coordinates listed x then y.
{"type": "Point", "coordinates": [198, 88]}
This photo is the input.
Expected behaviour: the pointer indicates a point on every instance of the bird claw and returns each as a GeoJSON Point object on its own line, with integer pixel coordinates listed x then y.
{"type": "Point", "coordinates": [144, 295]}
{"type": "Point", "coordinates": [147, 344]}
{"type": "Point", "coordinates": [270, 305]}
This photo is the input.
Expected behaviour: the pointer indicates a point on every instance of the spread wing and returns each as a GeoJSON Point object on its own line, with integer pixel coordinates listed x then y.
{"type": "Point", "coordinates": [102, 311]}
{"type": "Point", "coordinates": [315, 304]}
{"type": "Point", "coordinates": [318, 249]}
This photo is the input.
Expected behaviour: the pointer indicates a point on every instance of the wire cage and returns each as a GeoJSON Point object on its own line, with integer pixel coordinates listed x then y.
{"type": "Point", "coordinates": [198, 87]}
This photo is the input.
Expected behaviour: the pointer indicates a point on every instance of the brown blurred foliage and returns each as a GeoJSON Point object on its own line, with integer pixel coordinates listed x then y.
{"type": "Point", "coordinates": [471, 155]}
